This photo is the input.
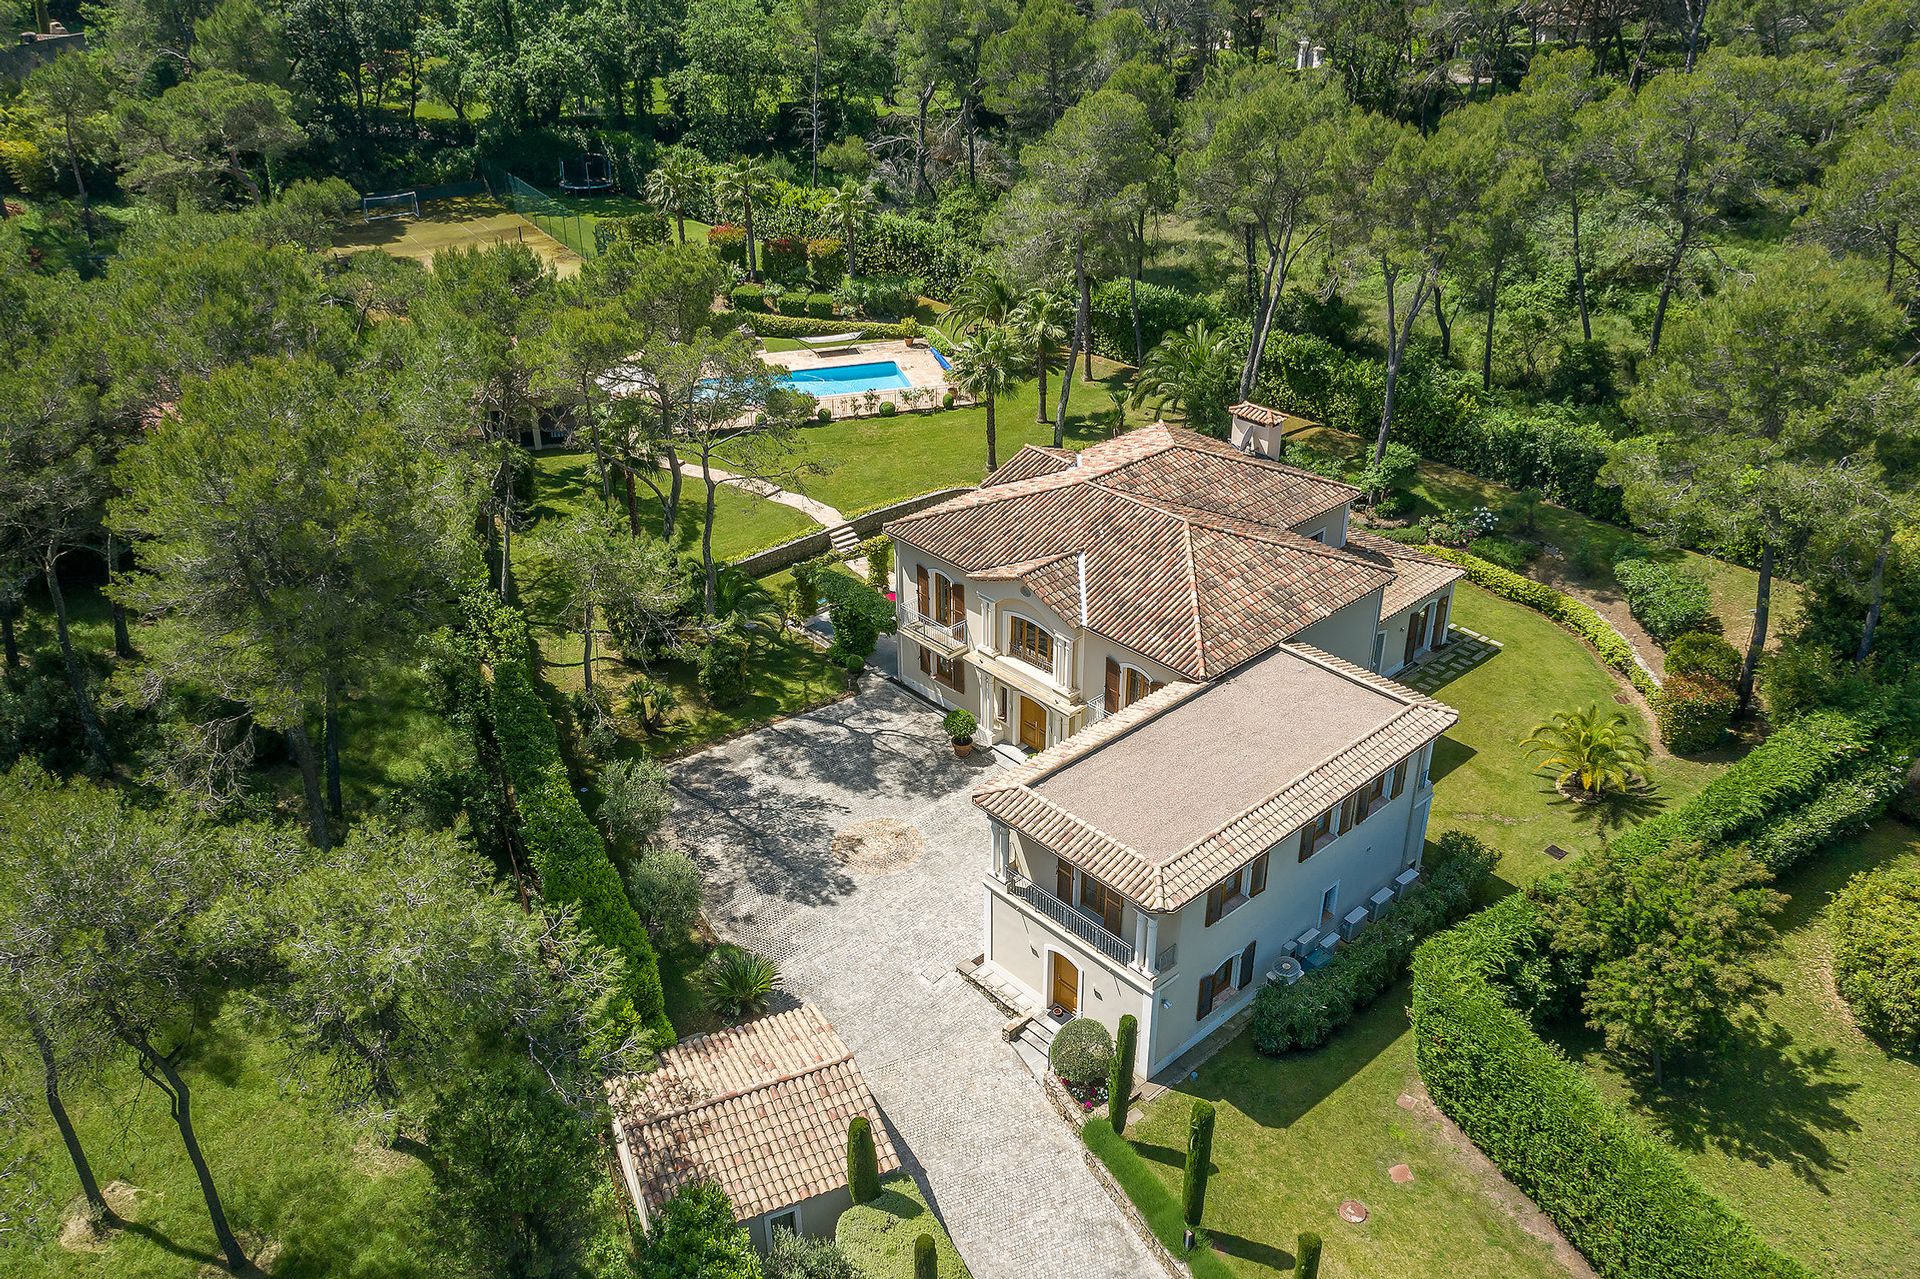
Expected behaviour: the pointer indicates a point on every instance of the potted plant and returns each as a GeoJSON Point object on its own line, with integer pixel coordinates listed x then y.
{"type": "Point", "coordinates": [960, 725]}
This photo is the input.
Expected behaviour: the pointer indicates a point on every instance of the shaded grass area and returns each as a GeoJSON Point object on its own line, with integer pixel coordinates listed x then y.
{"type": "Point", "coordinates": [858, 464]}
{"type": "Point", "coordinates": [1803, 1124]}
{"type": "Point", "coordinates": [1483, 779]}
{"type": "Point", "coordinates": [880, 1235]}
{"type": "Point", "coordinates": [463, 222]}
{"type": "Point", "coordinates": [1296, 1137]}
{"type": "Point", "coordinates": [290, 1169]}
{"type": "Point", "coordinates": [565, 485]}
{"type": "Point", "coordinates": [1157, 1202]}
{"type": "Point", "coordinates": [1590, 546]}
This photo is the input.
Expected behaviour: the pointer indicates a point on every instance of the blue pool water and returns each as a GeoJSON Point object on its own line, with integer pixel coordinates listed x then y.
{"type": "Point", "coordinates": [847, 379]}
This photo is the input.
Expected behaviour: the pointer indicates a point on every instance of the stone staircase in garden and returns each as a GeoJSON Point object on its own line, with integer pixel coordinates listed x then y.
{"type": "Point", "coordinates": [843, 539]}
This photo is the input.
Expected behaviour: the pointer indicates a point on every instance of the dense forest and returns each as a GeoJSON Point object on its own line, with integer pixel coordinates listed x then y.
{"type": "Point", "coordinates": [1653, 261]}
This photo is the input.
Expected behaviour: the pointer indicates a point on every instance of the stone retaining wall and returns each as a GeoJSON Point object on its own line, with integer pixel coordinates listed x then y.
{"type": "Point", "coordinates": [808, 545]}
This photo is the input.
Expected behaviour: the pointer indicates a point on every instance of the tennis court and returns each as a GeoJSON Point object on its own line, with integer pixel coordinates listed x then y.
{"type": "Point", "coordinates": [460, 221]}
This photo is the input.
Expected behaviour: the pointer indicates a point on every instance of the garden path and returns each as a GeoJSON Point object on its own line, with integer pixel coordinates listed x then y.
{"type": "Point", "coordinates": [812, 508]}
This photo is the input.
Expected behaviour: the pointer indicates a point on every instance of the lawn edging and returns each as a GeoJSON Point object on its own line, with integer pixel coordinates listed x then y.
{"type": "Point", "coordinates": [1576, 616]}
{"type": "Point", "coordinates": [1618, 1192]}
{"type": "Point", "coordinates": [1134, 1187]}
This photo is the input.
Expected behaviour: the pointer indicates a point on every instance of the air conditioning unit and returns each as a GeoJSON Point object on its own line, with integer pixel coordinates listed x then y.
{"type": "Point", "coordinates": [1288, 971]}
{"type": "Point", "coordinates": [1356, 919]}
{"type": "Point", "coordinates": [1378, 903]}
{"type": "Point", "coordinates": [1302, 946]}
{"type": "Point", "coordinates": [1406, 879]}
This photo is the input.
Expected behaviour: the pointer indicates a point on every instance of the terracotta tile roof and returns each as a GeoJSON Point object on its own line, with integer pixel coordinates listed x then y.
{"type": "Point", "coordinates": [761, 1108]}
{"type": "Point", "coordinates": [1189, 553]}
{"type": "Point", "coordinates": [1081, 797]}
{"type": "Point", "coordinates": [1415, 576]}
{"type": "Point", "coordinates": [1034, 459]}
{"type": "Point", "coordinates": [1265, 416]}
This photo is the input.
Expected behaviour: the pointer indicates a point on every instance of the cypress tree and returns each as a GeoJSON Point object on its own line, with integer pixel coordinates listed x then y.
{"type": "Point", "coordinates": [863, 1162]}
{"type": "Point", "coordinates": [1306, 1263]}
{"type": "Point", "coordinates": [1193, 1192]}
{"type": "Point", "coordinates": [926, 1264]}
{"type": "Point", "coordinates": [1120, 1086]}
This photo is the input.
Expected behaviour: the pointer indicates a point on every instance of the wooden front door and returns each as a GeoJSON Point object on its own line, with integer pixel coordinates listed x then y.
{"type": "Point", "coordinates": [1033, 724]}
{"type": "Point", "coordinates": [1065, 984]}
{"type": "Point", "coordinates": [1416, 633]}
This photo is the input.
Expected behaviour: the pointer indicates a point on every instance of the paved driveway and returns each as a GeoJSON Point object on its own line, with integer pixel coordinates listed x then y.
{"type": "Point", "coordinates": [876, 951]}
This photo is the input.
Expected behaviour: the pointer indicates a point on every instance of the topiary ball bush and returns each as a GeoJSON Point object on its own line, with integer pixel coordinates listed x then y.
{"type": "Point", "coordinates": [1082, 1052]}
{"type": "Point", "coordinates": [823, 414]}
{"type": "Point", "coordinates": [888, 408]}
{"type": "Point", "coordinates": [1704, 654]}
{"type": "Point", "coordinates": [946, 401]}
{"type": "Point", "coordinates": [1693, 713]}
{"type": "Point", "coordinates": [959, 724]}
{"type": "Point", "coordinates": [1876, 952]}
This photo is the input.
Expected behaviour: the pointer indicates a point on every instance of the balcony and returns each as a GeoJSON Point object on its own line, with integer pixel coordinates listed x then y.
{"type": "Point", "coordinates": [1077, 922]}
{"type": "Point", "coordinates": [948, 638]}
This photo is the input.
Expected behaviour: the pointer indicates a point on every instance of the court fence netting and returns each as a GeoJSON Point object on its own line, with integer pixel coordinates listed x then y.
{"type": "Point", "coordinates": [547, 212]}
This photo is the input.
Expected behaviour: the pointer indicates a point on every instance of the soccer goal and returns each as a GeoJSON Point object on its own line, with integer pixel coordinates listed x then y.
{"type": "Point", "coordinates": [400, 204]}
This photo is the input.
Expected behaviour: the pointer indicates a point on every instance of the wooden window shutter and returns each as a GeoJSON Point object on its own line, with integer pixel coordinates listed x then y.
{"type": "Point", "coordinates": [959, 669]}
{"type": "Point", "coordinates": [1214, 900]}
{"type": "Point", "coordinates": [958, 603]}
{"type": "Point", "coordinates": [1246, 965]}
{"type": "Point", "coordinates": [921, 588]}
{"type": "Point", "coordinates": [1399, 778]}
{"type": "Point", "coordinates": [1257, 878]}
{"type": "Point", "coordinates": [1206, 998]}
{"type": "Point", "coordinates": [1113, 686]}
{"type": "Point", "coordinates": [926, 660]}
{"type": "Point", "coordinates": [1306, 842]}
{"type": "Point", "coordinates": [1063, 880]}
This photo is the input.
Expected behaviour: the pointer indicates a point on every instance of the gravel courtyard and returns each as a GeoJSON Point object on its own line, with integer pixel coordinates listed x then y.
{"type": "Point", "coordinates": [869, 927]}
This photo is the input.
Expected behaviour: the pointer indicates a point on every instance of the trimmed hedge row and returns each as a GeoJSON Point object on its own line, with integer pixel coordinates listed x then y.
{"type": "Point", "coordinates": [769, 325]}
{"type": "Point", "coordinates": [1617, 1192]}
{"type": "Point", "coordinates": [566, 850]}
{"type": "Point", "coordinates": [1306, 1013]}
{"type": "Point", "coordinates": [1621, 1196]}
{"type": "Point", "coordinates": [1558, 605]}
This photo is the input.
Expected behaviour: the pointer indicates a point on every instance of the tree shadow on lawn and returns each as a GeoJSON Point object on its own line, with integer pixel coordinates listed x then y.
{"type": "Point", "coordinates": [1249, 1250]}
{"type": "Point", "coordinates": [1611, 814]}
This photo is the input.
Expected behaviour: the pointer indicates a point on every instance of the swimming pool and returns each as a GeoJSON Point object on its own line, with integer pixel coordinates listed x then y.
{"type": "Point", "coordinates": [847, 379]}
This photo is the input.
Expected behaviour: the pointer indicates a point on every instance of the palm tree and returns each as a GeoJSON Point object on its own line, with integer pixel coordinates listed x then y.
{"type": "Point", "coordinates": [674, 184]}
{"type": "Point", "coordinates": [744, 183]}
{"type": "Point", "coordinates": [1040, 322]}
{"type": "Point", "coordinates": [985, 297]}
{"type": "Point", "coordinates": [850, 205]}
{"type": "Point", "coordinates": [736, 594]}
{"type": "Point", "coordinates": [1588, 754]}
{"type": "Point", "coordinates": [1191, 371]}
{"type": "Point", "coordinates": [983, 369]}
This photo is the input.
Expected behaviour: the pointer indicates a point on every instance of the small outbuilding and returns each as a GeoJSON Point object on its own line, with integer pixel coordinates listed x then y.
{"type": "Point", "coordinates": [762, 1110]}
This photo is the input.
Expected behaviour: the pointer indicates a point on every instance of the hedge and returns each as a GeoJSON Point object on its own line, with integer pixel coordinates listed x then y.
{"type": "Point", "coordinates": [1162, 311]}
{"type": "Point", "coordinates": [565, 848]}
{"type": "Point", "coordinates": [1876, 952]}
{"type": "Point", "coordinates": [1669, 601]}
{"type": "Point", "coordinates": [1619, 1195]}
{"type": "Point", "coordinates": [1558, 605]}
{"type": "Point", "coordinates": [1306, 1013]}
{"type": "Point", "coordinates": [768, 325]}
{"type": "Point", "coordinates": [1617, 1192]}
{"type": "Point", "coordinates": [1693, 712]}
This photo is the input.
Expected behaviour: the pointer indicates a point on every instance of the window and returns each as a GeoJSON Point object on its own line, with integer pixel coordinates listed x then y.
{"type": "Point", "coordinates": [1063, 880]}
{"type": "Point", "coordinates": [1003, 702]}
{"type": "Point", "coordinates": [1374, 796]}
{"type": "Point", "coordinates": [1100, 901]}
{"type": "Point", "coordinates": [1319, 535]}
{"type": "Point", "coordinates": [1329, 902]}
{"type": "Point", "coordinates": [1317, 836]}
{"type": "Point", "coordinates": [1127, 685]}
{"type": "Point", "coordinates": [1225, 897]}
{"type": "Point", "coordinates": [787, 1221]}
{"type": "Point", "coordinates": [1028, 642]}
{"type": "Point", "coordinates": [1215, 984]}
{"type": "Point", "coordinates": [1379, 649]}
{"type": "Point", "coordinates": [1399, 778]}
{"type": "Point", "coordinates": [1257, 876]}
{"type": "Point", "coordinates": [951, 672]}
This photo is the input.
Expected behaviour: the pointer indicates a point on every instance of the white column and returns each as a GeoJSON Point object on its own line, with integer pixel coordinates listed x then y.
{"type": "Point", "coordinates": [1002, 851]}
{"type": "Point", "coordinates": [1150, 945]}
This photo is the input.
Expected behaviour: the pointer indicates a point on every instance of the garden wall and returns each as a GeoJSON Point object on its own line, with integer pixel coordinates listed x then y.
{"type": "Point", "coordinates": [786, 554]}
{"type": "Point", "coordinates": [1620, 1195]}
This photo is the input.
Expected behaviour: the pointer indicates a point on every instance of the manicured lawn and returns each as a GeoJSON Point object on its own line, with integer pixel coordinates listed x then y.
{"type": "Point", "coordinates": [1483, 779]}
{"type": "Point", "coordinates": [1806, 1127]}
{"type": "Point", "coordinates": [880, 1235]}
{"type": "Point", "coordinates": [862, 463]}
{"type": "Point", "coordinates": [291, 1170]}
{"type": "Point", "coordinates": [565, 485]}
{"type": "Point", "coordinates": [1294, 1138]}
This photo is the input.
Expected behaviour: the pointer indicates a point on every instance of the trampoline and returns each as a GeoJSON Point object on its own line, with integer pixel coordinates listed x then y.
{"type": "Point", "coordinates": [589, 174]}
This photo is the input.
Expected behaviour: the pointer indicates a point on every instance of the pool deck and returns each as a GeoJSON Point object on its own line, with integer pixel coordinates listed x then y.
{"type": "Point", "coordinates": [917, 362]}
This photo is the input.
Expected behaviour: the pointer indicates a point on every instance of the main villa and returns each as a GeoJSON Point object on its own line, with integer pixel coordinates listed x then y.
{"type": "Point", "coordinates": [1194, 648]}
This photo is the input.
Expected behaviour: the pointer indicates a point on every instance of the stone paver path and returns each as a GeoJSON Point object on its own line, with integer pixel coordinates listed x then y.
{"type": "Point", "coordinates": [877, 953]}
{"type": "Point", "coordinates": [813, 509]}
{"type": "Point", "coordinates": [1463, 651]}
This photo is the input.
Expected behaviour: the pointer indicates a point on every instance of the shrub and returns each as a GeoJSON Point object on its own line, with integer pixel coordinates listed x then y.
{"type": "Point", "coordinates": [946, 401]}
{"type": "Point", "coordinates": [649, 226]}
{"type": "Point", "coordinates": [796, 326]}
{"type": "Point", "coordinates": [722, 664]}
{"type": "Point", "coordinates": [664, 885]}
{"type": "Point", "coordinates": [1307, 1012]}
{"type": "Point", "coordinates": [959, 725]}
{"type": "Point", "coordinates": [1875, 921]}
{"type": "Point", "coordinates": [1120, 1082]}
{"type": "Point", "coordinates": [1703, 654]}
{"type": "Point", "coordinates": [729, 242]}
{"type": "Point", "coordinates": [1082, 1052]}
{"type": "Point", "coordinates": [1306, 1252]}
{"type": "Point", "coordinates": [926, 1259]}
{"type": "Point", "coordinates": [1162, 311]}
{"type": "Point", "coordinates": [1193, 1186]}
{"type": "Point", "coordinates": [1669, 601]}
{"type": "Point", "coordinates": [819, 306]}
{"type": "Point", "coordinates": [1509, 553]}
{"type": "Point", "coordinates": [794, 1256]}
{"type": "Point", "coordinates": [565, 850]}
{"type": "Point", "coordinates": [826, 261]}
{"type": "Point", "coordinates": [1557, 605]}
{"type": "Point", "coordinates": [888, 408]}
{"type": "Point", "coordinates": [736, 981]}
{"type": "Point", "coordinates": [748, 297]}
{"type": "Point", "coordinates": [863, 1161]}
{"type": "Point", "coordinates": [790, 303]}
{"type": "Point", "coordinates": [1693, 713]}
{"type": "Point", "coordinates": [878, 552]}
{"type": "Point", "coordinates": [823, 414]}
{"type": "Point", "coordinates": [884, 297]}
{"type": "Point", "coordinates": [695, 1234]}
{"type": "Point", "coordinates": [784, 259]}
{"type": "Point", "coordinates": [635, 801]}
{"type": "Point", "coordinates": [860, 615]}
